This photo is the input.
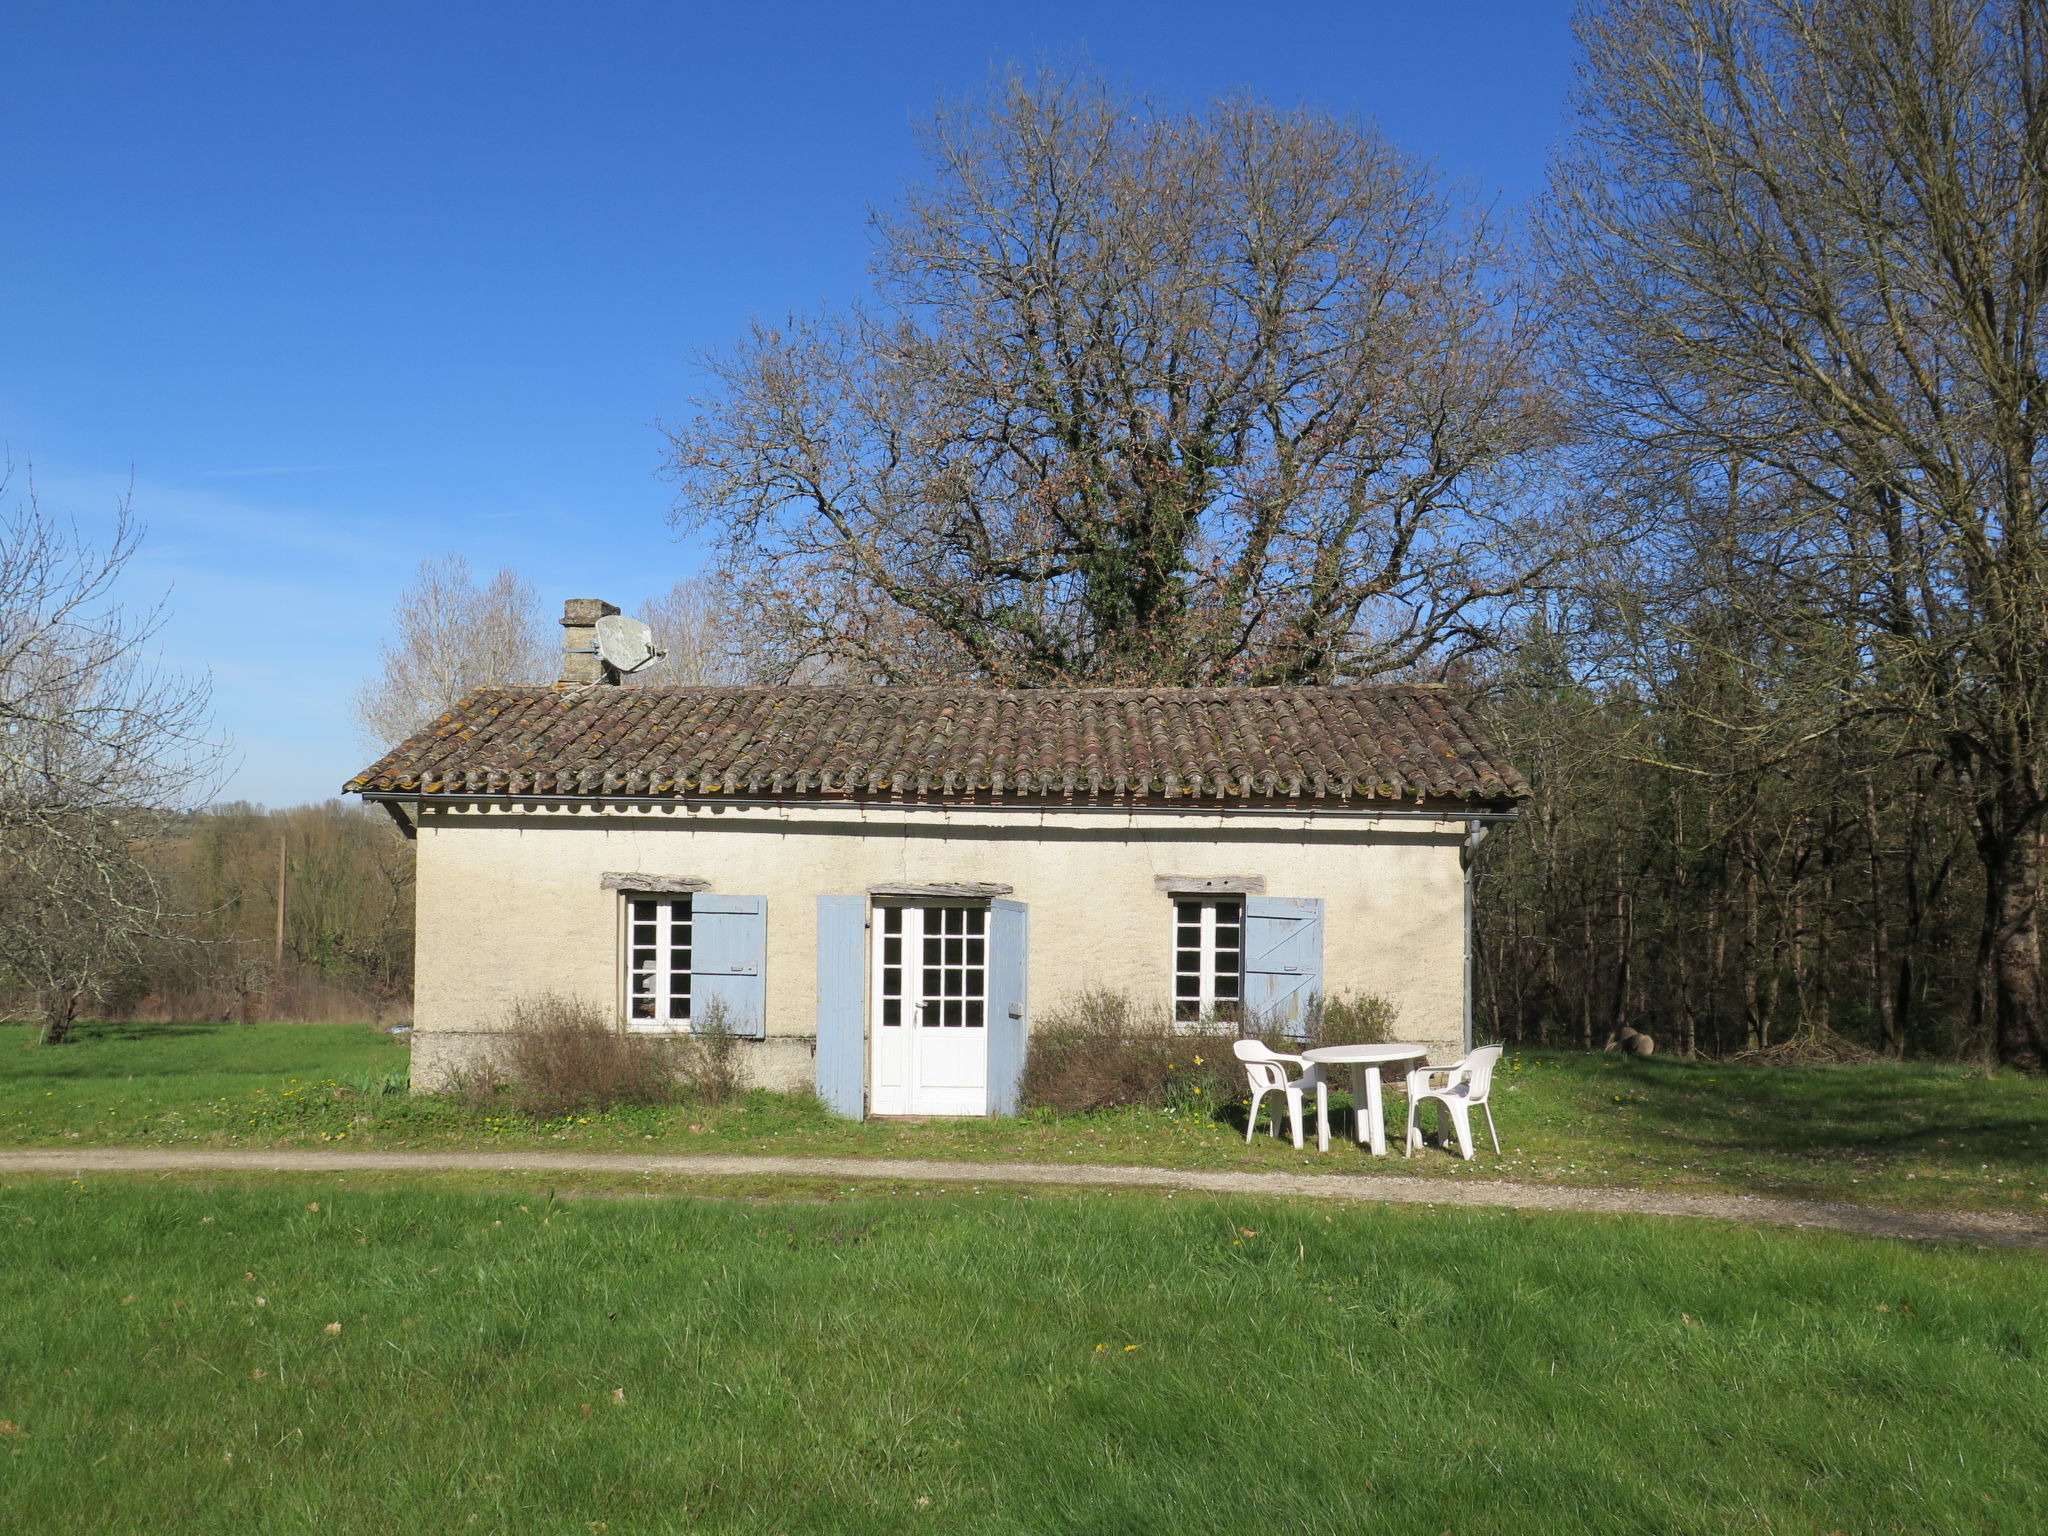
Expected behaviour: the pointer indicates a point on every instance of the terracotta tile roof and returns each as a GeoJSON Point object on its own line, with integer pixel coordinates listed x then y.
{"type": "Point", "coordinates": [1170, 744]}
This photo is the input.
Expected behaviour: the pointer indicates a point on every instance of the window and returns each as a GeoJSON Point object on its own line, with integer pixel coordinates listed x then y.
{"type": "Point", "coordinates": [892, 965]}
{"type": "Point", "coordinates": [658, 930]}
{"type": "Point", "coordinates": [942, 983]}
{"type": "Point", "coordinates": [1208, 958]}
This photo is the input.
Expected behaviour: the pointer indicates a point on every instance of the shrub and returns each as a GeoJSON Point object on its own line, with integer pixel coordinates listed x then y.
{"type": "Point", "coordinates": [1098, 1049]}
{"type": "Point", "coordinates": [1350, 1018]}
{"type": "Point", "coordinates": [707, 1060]}
{"type": "Point", "coordinates": [563, 1056]}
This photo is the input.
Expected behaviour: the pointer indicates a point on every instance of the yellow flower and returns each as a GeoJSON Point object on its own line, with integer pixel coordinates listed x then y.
{"type": "Point", "coordinates": [1198, 1061]}
{"type": "Point", "coordinates": [1198, 1090]}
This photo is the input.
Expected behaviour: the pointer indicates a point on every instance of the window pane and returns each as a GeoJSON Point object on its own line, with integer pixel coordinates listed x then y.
{"type": "Point", "coordinates": [1187, 986]}
{"type": "Point", "coordinates": [658, 959]}
{"type": "Point", "coordinates": [1187, 1013]}
{"type": "Point", "coordinates": [1226, 986]}
{"type": "Point", "coordinates": [892, 919]}
{"type": "Point", "coordinates": [892, 981]}
{"type": "Point", "coordinates": [976, 949]}
{"type": "Point", "coordinates": [933, 987]}
{"type": "Point", "coordinates": [1188, 911]}
{"type": "Point", "coordinates": [952, 1013]}
{"type": "Point", "coordinates": [974, 1011]}
{"type": "Point", "coordinates": [892, 1010]}
{"type": "Point", "coordinates": [892, 951]}
{"type": "Point", "coordinates": [977, 920]}
{"type": "Point", "coordinates": [1226, 938]}
{"type": "Point", "coordinates": [955, 951]}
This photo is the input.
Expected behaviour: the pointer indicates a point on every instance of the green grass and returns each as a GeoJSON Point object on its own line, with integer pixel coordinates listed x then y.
{"type": "Point", "coordinates": [1079, 1363]}
{"type": "Point", "coordinates": [1917, 1135]}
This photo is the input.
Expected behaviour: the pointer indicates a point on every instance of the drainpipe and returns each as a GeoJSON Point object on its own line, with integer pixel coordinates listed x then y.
{"type": "Point", "coordinates": [1475, 834]}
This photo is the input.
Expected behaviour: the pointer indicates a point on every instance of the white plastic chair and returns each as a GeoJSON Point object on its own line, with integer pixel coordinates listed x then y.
{"type": "Point", "coordinates": [1470, 1082]}
{"type": "Point", "coordinates": [1264, 1066]}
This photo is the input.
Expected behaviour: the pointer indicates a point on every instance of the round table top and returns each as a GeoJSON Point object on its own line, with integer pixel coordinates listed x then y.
{"type": "Point", "coordinates": [1365, 1055]}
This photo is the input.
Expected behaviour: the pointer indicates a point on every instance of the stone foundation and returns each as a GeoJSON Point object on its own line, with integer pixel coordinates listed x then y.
{"type": "Point", "coordinates": [782, 1064]}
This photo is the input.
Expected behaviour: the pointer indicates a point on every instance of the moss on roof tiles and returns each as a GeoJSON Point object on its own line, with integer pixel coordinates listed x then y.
{"type": "Point", "coordinates": [1177, 745]}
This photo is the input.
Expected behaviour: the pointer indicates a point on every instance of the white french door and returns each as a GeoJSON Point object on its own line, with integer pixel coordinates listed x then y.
{"type": "Point", "coordinates": [928, 1026]}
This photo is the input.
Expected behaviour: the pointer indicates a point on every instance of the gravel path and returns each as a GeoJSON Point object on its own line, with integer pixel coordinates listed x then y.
{"type": "Point", "coordinates": [1985, 1228]}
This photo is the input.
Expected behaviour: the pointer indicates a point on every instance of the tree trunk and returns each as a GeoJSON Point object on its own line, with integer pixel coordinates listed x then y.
{"type": "Point", "coordinates": [1880, 931]}
{"type": "Point", "coordinates": [2010, 994]}
{"type": "Point", "coordinates": [59, 1009]}
{"type": "Point", "coordinates": [1624, 944]}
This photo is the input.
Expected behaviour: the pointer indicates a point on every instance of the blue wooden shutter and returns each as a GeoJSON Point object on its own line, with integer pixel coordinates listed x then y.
{"type": "Point", "coordinates": [1283, 958]}
{"type": "Point", "coordinates": [1009, 948]}
{"type": "Point", "coordinates": [728, 953]}
{"type": "Point", "coordinates": [843, 1004]}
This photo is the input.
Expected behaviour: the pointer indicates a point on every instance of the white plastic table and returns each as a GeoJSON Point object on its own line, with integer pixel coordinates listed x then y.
{"type": "Point", "coordinates": [1365, 1062]}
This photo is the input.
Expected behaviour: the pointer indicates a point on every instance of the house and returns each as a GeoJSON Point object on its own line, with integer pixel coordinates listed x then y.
{"type": "Point", "coordinates": [877, 886]}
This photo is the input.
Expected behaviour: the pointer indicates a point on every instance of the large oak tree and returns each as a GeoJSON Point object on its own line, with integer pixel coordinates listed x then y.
{"type": "Point", "coordinates": [1218, 396]}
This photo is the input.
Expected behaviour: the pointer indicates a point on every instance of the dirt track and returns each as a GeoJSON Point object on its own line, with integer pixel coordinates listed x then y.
{"type": "Point", "coordinates": [1950, 1226]}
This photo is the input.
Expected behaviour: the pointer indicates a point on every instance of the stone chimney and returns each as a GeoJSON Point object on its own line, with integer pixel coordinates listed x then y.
{"type": "Point", "coordinates": [580, 661]}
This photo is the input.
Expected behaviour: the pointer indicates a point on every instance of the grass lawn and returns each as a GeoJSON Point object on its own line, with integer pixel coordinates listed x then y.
{"type": "Point", "coordinates": [315, 1356]}
{"type": "Point", "coordinates": [1941, 1136]}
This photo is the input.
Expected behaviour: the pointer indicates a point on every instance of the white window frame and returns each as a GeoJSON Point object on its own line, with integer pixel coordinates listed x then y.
{"type": "Point", "coordinates": [1208, 976]}
{"type": "Point", "coordinates": [905, 975]}
{"type": "Point", "coordinates": [664, 962]}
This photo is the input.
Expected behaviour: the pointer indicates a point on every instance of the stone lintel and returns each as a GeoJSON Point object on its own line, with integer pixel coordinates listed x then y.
{"type": "Point", "coordinates": [1210, 885]}
{"type": "Point", "coordinates": [653, 885]}
{"type": "Point", "coordinates": [970, 890]}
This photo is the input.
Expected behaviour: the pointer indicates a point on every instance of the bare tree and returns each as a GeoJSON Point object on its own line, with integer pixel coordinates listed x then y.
{"type": "Point", "coordinates": [703, 638]}
{"type": "Point", "coordinates": [448, 636]}
{"type": "Point", "coordinates": [97, 745]}
{"type": "Point", "coordinates": [1226, 396]}
{"type": "Point", "coordinates": [1805, 244]}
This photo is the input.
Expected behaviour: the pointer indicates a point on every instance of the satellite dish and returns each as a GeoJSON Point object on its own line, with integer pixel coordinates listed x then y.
{"type": "Point", "coordinates": [626, 643]}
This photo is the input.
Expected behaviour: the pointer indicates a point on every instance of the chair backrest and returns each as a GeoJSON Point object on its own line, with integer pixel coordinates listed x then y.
{"type": "Point", "coordinates": [1478, 1071]}
{"type": "Point", "coordinates": [1262, 1064]}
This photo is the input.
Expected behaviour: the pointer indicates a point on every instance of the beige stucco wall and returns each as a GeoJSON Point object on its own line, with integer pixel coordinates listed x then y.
{"type": "Point", "coordinates": [510, 901]}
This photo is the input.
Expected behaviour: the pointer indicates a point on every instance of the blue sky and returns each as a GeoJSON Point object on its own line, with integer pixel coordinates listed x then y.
{"type": "Point", "coordinates": [339, 288]}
